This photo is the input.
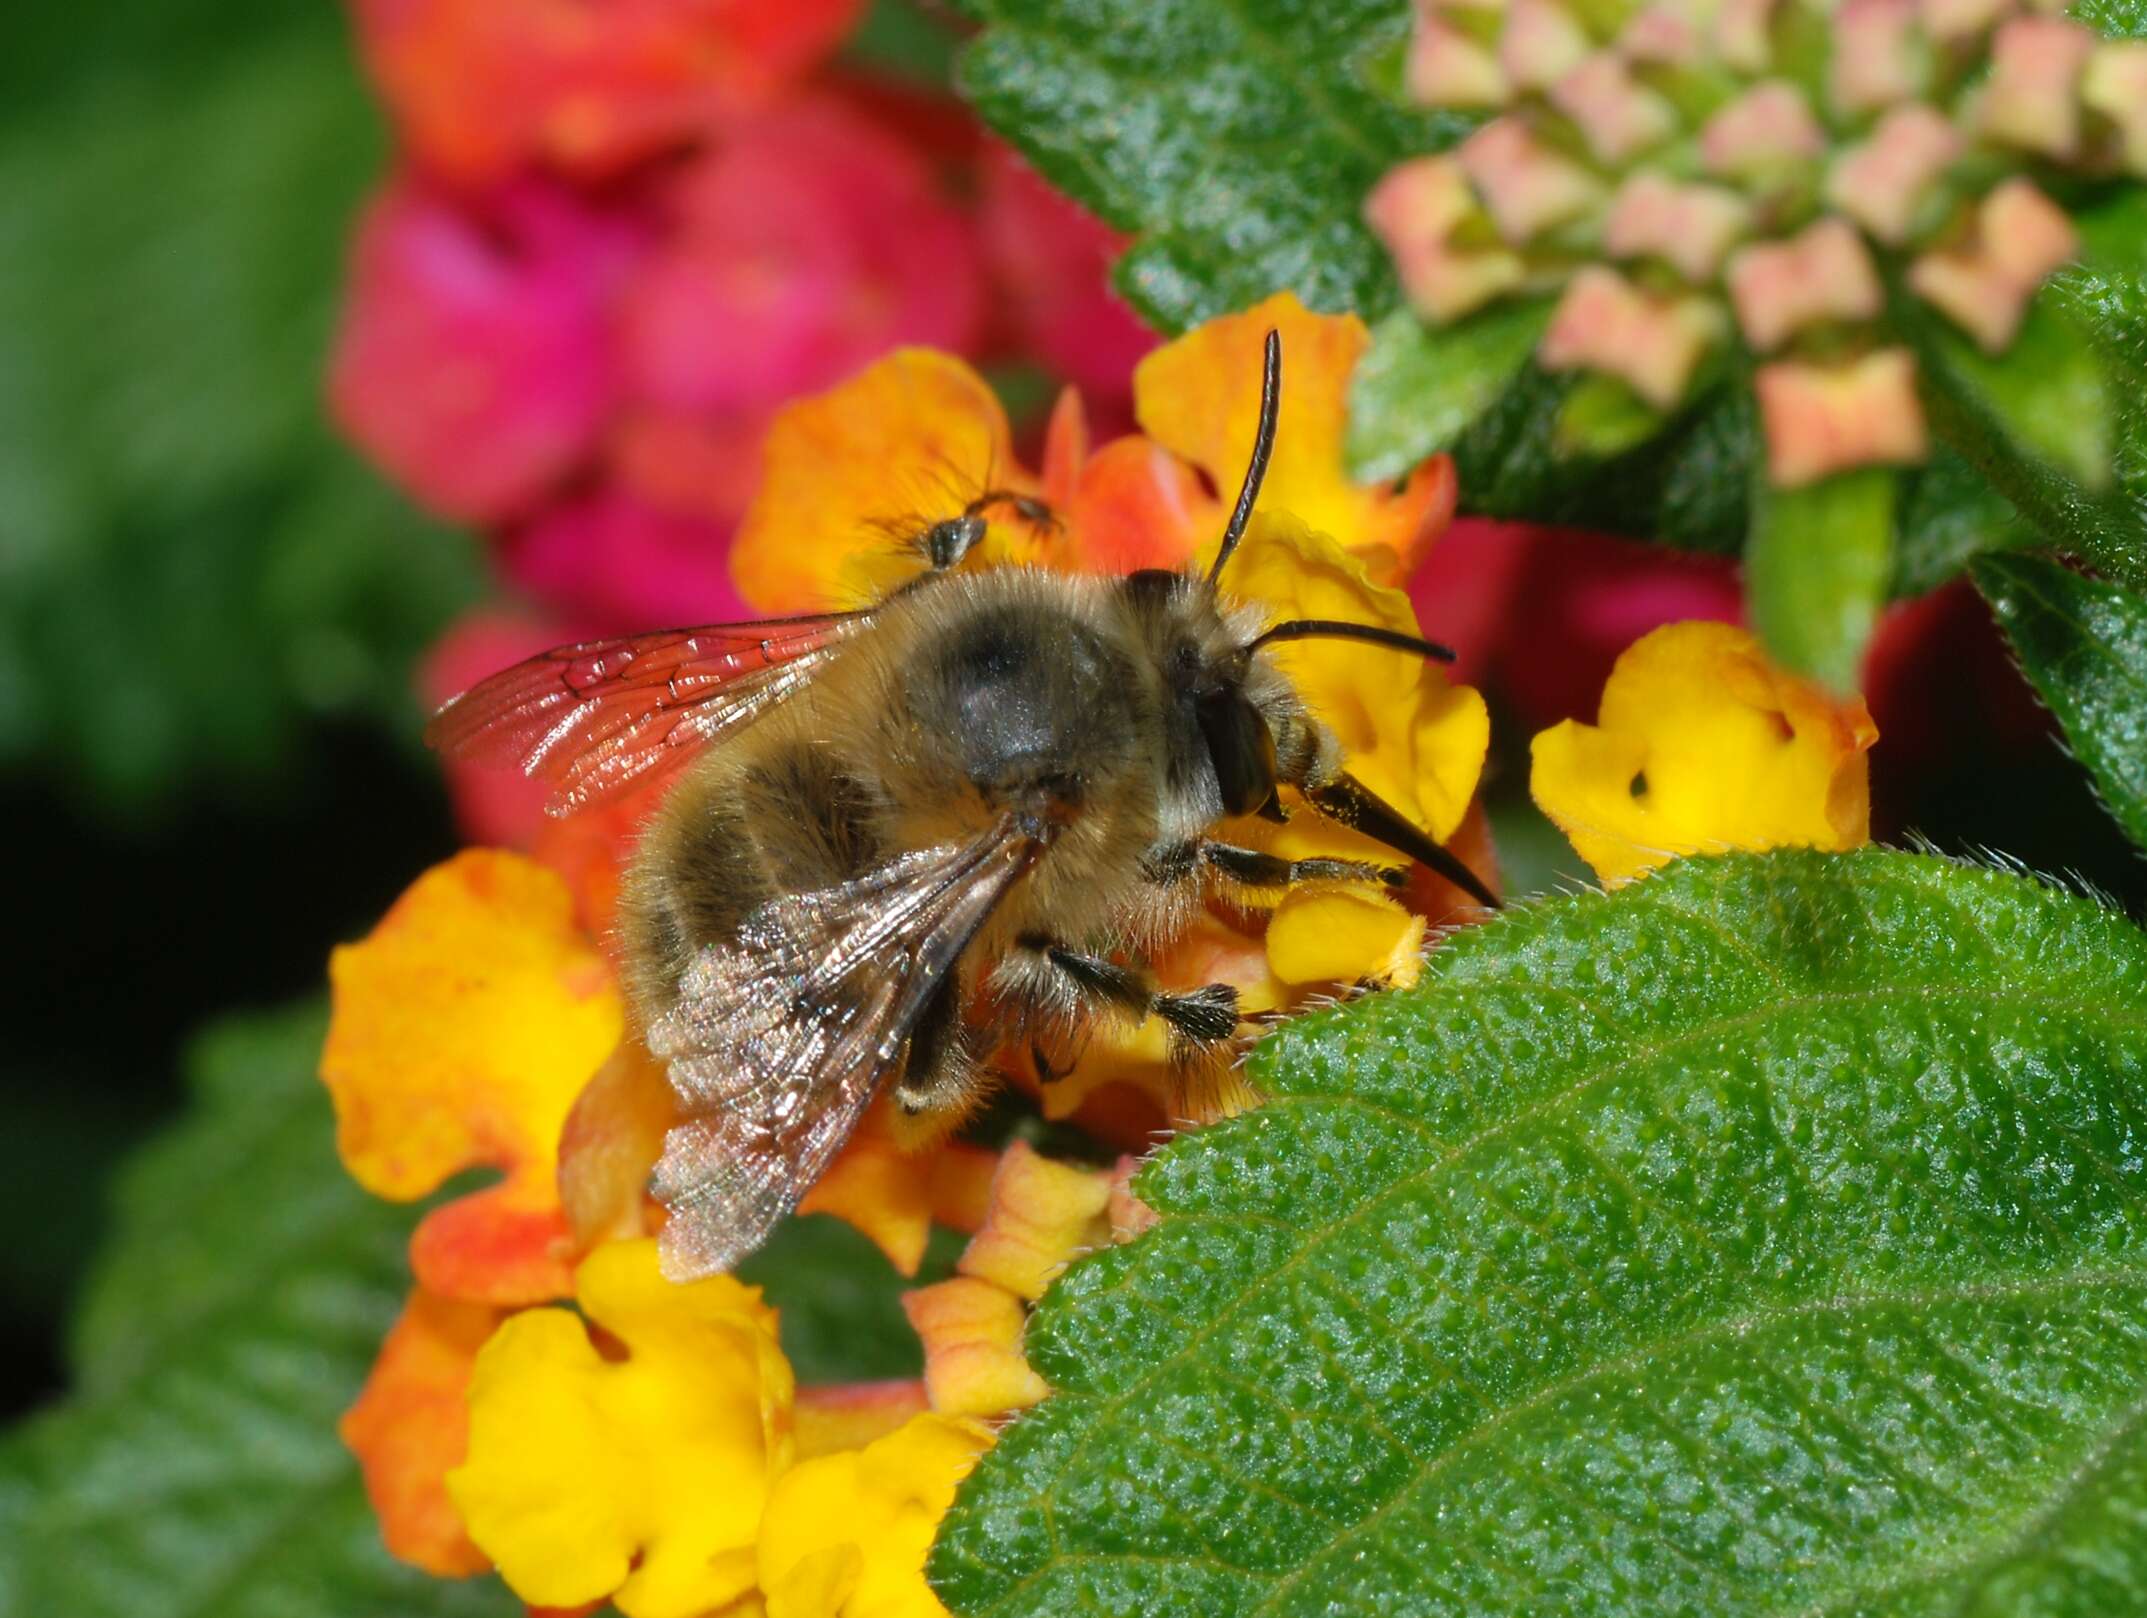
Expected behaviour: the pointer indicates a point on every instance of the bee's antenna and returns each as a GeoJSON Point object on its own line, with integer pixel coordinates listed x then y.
{"type": "Point", "coordinates": [1263, 445]}
{"type": "Point", "coordinates": [1339, 629]}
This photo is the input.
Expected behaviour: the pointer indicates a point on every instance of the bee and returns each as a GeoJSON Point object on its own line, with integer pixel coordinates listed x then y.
{"type": "Point", "coordinates": [996, 788]}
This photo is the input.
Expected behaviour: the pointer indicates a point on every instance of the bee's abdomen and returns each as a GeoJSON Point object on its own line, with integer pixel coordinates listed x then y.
{"type": "Point", "coordinates": [782, 819]}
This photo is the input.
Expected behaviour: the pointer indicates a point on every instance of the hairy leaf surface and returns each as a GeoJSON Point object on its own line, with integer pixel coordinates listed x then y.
{"type": "Point", "coordinates": [197, 1473]}
{"type": "Point", "coordinates": [1236, 138]}
{"type": "Point", "coordinates": [1768, 1237]}
{"type": "Point", "coordinates": [2084, 644]}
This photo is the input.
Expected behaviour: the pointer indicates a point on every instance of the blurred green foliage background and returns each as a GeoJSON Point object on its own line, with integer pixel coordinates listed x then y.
{"type": "Point", "coordinates": [208, 608]}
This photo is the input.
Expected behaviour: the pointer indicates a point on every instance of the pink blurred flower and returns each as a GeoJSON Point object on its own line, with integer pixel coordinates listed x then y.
{"type": "Point", "coordinates": [1542, 613]}
{"type": "Point", "coordinates": [1052, 261]}
{"type": "Point", "coordinates": [795, 252]}
{"type": "Point", "coordinates": [475, 357]}
{"type": "Point", "coordinates": [617, 560]}
{"type": "Point", "coordinates": [482, 88]}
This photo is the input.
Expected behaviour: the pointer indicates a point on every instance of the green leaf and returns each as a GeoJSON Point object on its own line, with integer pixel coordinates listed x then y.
{"type": "Point", "coordinates": [1418, 388]}
{"type": "Point", "coordinates": [1769, 1236]}
{"type": "Point", "coordinates": [191, 570]}
{"type": "Point", "coordinates": [2058, 424]}
{"type": "Point", "coordinates": [196, 1472]}
{"type": "Point", "coordinates": [841, 1301]}
{"type": "Point", "coordinates": [2084, 644]}
{"type": "Point", "coordinates": [1816, 570]}
{"type": "Point", "coordinates": [1236, 139]}
{"type": "Point", "coordinates": [247, 1288]}
{"type": "Point", "coordinates": [1949, 514]}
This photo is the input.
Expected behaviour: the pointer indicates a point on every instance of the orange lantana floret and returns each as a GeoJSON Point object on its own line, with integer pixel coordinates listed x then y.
{"type": "Point", "coordinates": [410, 1425]}
{"type": "Point", "coordinates": [463, 1027]}
{"type": "Point", "coordinates": [851, 474]}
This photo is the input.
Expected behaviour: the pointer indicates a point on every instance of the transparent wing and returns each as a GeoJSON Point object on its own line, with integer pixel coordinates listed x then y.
{"type": "Point", "coordinates": [780, 1041]}
{"type": "Point", "coordinates": [592, 717]}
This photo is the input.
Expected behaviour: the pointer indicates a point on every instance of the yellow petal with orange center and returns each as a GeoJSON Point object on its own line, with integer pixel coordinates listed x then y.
{"type": "Point", "coordinates": [462, 1029]}
{"type": "Point", "coordinates": [1703, 745]}
{"type": "Point", "coordinates": [848, 1415]}
{"type": "Point", "coordinates": [846, 1535]}
{"type": "Point", "coordinates": [1407, 731]}
{"type": "Point", "coordinates": [409, 1427]}
{"type": "Point", "coordinates": [973, 1363]}
{"type": "Point", "coordinates": [1343, 933]}
{"type": "Point", "coordinates": [1199, 397]}
{"type": "Point", "coordinates": [636, 1471]}
{"type": "Point", "coordinates": [851, 476]}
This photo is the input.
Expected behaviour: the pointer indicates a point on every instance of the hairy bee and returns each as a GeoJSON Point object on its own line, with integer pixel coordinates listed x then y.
{"type": "Point", "coordinates": [994, 788]}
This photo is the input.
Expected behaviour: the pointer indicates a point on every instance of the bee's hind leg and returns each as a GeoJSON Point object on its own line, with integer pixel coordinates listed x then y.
{"type": "Point", "coordinates": [943, 1077]}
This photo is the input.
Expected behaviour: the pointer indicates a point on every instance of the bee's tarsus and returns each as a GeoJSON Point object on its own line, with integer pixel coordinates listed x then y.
{"type": "Point", "coordinates": [1355, 805]}
{"type": "Point", "coordinates": [1205, 1016]}
{"type": "Point", "coordinates": [1262, 870]}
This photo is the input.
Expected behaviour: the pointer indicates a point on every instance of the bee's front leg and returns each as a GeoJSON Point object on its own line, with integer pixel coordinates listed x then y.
{"type": "Point", "coordinates": [1251, 868]}
{"type": "Point", "coordinates": [1050, 986]}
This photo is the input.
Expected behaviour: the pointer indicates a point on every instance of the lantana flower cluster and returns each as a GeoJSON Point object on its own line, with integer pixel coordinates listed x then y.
{"type": "Point", "coordinates": [618, 238]}
{"type": "Point", "coordinates": [548, 1404]}
{"type": "Point", "coordinates": [1702, 185]}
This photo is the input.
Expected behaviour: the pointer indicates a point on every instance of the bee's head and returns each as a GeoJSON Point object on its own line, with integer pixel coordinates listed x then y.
{"type": "Point", "coordinates": [1225, 705]}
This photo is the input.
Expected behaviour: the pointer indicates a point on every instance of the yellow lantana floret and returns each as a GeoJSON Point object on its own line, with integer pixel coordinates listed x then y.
{"type": "Point", "coordinates": [638, 1476]}
{"type": "Point", "coordinates": [846, 1535]}
{"type": "Point", "coordinates": [1408, 732]}
{"type": "Point", "coordinates": [1701, 746]}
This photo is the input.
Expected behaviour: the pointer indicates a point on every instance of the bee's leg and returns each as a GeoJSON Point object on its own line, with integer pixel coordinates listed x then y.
{"type": "Point", "coordinates": [1172, 863]}
{"type": "Point", "coordinates": [942, 1078]}
{"type": "Point", "coordinates": [1036, 513]}
{"type": "Point", "coordinates": [1058, 986]}
{"type": "Point", "coordinates": [1249, 867]}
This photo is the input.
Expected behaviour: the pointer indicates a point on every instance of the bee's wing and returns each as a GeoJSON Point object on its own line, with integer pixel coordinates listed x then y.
{"type": "Point", "coordinates": [779, 1042]}
{"type": "Point", "coordinates": [592, 717]}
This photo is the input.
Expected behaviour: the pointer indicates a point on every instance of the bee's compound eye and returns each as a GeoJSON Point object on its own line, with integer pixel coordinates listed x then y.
{"type": "Point", "coordinates": [1241, 749]}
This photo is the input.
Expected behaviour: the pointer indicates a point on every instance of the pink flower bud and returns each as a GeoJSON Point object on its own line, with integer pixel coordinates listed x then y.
{"type": "Point", "coordinates": [1528, 187]}
{"type": "Point", "coordinates": [1414, 209]}
{"type": "Point", "coordinates": [1604, 323]}
{"type": "Point", "coordinates": [1662, 35]}
{"type": "Point", "coordinates": [2115, 85]}
{"type": "Point", "coordinates": [1881, 182]}
{"type": "Point", "coordinates": [1769, 125]}
{"type": "Point", "coordinates": [1618, 118]}
{"type": "Point", "coordinates": [1821, 274]}
{"type": "Point", "coordinates": [1743, 34]}
{"type": "Point", "coordinates": [1951, 21]}
{"type": "Point", "coordinates": [1823, 419]}
{"type": "Point", "coordinates": [1984, 287]}
{"type": "Point", "coordinates": [1688, 226]}
{"type": "Point", "coordinates": [1540, 45]}
{"type": "Point", "coordinates": [1446, 68]}
{"type": "Point", "coordinates": [1877, 60]}
{"type": "Point", "coordinates": [2030, 101]}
